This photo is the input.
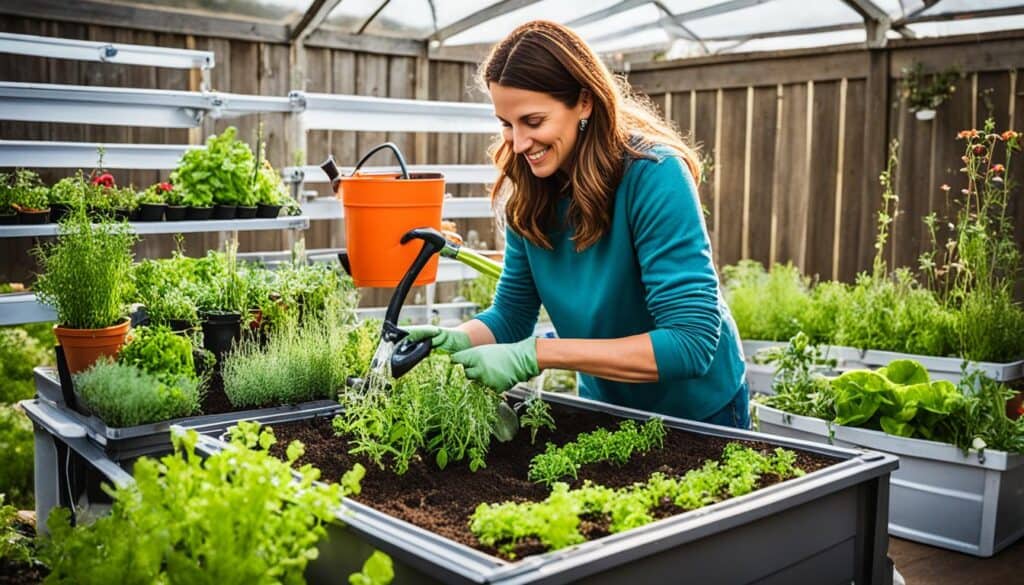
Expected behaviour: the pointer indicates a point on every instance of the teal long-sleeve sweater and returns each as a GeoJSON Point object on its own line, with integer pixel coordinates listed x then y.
{"type": "Point", "coordinates": [653, 273]}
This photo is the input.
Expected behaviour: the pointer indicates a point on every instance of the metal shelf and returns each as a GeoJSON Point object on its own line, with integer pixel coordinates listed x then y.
{"type": "Point", "coordinates": [105, 52]}
{"type": "Point", "coordinates": [19, 308]}
{"type": "Point", "coordinates": [321, 111]}
{"type": "Point", "coordinates": [77, 155]}
{"type": "Point", "coordinates": [119, 106]}
{"type": "Point", "coordinates": [299, 222]}
{"type": "Point", "coordinates": [453, 174]}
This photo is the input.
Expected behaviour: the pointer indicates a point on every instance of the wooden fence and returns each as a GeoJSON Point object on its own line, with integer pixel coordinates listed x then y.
{"type": "Point", "coordinates": [798, 140]}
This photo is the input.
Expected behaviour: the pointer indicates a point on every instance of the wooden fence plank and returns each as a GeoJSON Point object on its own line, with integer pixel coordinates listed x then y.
{"type": "Point", "coordinates": [730, 175]}
{"type": "Point", "coordinates": [762, 168]}
{"type": "Point", "coordinates": [790, 164]}
{"type": "Point", "coordinates": [681, 103]}
{"type": "Point", "coordinates": [704, 135]}
{"type": "Point", "coordinates": [854, 198]}
{"type": "Point", "coordinates": [822, 179]}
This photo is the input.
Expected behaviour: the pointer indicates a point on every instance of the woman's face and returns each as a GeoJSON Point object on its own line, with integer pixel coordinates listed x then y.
{"type": "Point", "coordinates": [540, 128]}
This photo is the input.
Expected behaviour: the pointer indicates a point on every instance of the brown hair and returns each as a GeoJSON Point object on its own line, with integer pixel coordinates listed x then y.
{"type": "Point", "coordinates": [547, 57]}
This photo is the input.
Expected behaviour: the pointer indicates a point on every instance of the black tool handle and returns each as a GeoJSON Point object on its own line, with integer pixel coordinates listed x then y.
{"type": "Point", "coordinates": [433, 242]}
{"type": "Point", "coordinates": [407, 355]}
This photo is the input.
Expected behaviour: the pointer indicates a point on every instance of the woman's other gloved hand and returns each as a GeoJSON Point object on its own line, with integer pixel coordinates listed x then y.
{"type": "Point", "coordinates": [500, 365]}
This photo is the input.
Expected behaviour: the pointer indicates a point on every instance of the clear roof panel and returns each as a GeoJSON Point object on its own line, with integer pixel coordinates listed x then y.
{"type": "Point", "coordinates": [287, 11]}
{"type": "Point", "coordinates": [640, 27]}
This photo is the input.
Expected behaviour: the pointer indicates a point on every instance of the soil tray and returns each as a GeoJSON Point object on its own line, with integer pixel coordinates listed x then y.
{"type": "Point", "coordinates": [827, 526]}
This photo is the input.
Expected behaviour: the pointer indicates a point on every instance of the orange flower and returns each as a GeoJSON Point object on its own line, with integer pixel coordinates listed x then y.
{"type": "Point", "coordinates": [1009, 135]}
{"type": "Point", "coordinates": [967, 134]}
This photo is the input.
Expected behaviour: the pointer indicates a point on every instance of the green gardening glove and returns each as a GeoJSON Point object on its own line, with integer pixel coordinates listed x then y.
{"type": "Point", "coordinates": [441, 338]}
{"type": "Point", "coordinates": [500, 365]}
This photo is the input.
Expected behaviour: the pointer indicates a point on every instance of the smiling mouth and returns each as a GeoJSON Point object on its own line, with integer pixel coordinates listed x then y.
{"type": "Point", "coordinates": [536, 156]}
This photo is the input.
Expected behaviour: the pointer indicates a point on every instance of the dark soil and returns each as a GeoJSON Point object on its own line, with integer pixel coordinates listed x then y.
{"type": "Point", "coordinates": [22, 573]}
{"type": "Point", "coordinates": [216, 401]}
{"type": "Point", "coordinates": [443, 501]}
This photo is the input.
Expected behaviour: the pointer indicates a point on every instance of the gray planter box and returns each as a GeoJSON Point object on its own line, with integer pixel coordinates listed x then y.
{"type": "Point", "coordinates": [939, 368]}
{"type": "Point", "coordinates": [970, 503]}
{"type": "Point", "coordinates": [827, 527]}
{"type": "Point", "coordinates": [123, 443]}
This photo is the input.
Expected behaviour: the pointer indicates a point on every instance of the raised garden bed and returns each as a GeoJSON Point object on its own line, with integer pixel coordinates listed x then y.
{"type": "Point", "coordinates": [939, 496]}
{"type": "Point", "coordinates": [421, 518]}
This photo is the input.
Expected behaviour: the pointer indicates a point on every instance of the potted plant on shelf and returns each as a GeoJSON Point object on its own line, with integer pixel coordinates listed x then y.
{"type": "Point", "coordinates": [270, 191]}
{"type": "Point", "coordinates": [66, 194]}
{"type": "Point", "coordinates": [221, 303]}
{"type": "Point", "coordinates": [85, 277]}
{"type": "Point", "coordinates": [217, 174]}
{"type": "Point", "coordinates": [174, 198]}
{"type": "Point", "coordinates": [30, 197]}
{"type": "Point", "coordinates": [151, 204]}
{"type": "Point", "coordinates": [8, 214]}
{"type": "Point", "coordinates": [924, 93]}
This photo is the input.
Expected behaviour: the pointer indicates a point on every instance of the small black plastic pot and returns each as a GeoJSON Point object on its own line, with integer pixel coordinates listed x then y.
{"type": "Point", "coordinates": [220, 330]}
{"type": "Point", "coordinates": [246, 212]}
{"type": "Point", "coordinates": [224, 211]}
{"type": "Point", "coordinates": [267, 211]}
{"type": "Point", "coordinates": [33, 217]}
{"type": "Point", "coordinates": [8, 218]}
{"type": "Point", "coordinates": [194, 213]}
{"type": "Point", "coordinates": [152, 211]}
{"type": "Point", "coordinates": [58, 211]}
{"type": "Point", "coordinates": [175, 212]}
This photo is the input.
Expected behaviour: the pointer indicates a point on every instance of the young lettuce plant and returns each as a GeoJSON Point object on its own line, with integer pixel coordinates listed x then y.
{"type": "Point", "coordinates": [600, 445]}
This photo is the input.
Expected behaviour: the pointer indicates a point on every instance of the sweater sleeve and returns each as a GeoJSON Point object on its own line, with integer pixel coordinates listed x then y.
{"type": "Point", "coordinates": [513, 315]}
{"type": "Point", "coordinates": [677, 270]}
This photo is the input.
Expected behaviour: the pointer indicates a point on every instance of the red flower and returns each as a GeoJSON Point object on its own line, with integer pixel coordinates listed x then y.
{"type": "Point", "coordinates": [998, 168]}
{"type": "Point", "coordinates": [105, 180]}
{"type": "Point", "coordinates": [165, 186]}
{"type": "Point", "coordinates": [979, 149]}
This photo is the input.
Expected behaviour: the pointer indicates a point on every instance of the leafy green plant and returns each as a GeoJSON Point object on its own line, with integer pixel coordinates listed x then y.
{"type": "Point", "coordinates": [377, 570]}
{"type": "Point", "coordinates": [239, 516]}
{"type": "Point", "coordinates": [617, 447]}
{"type": "Point", "coordinates": [159, 352]}
{"type": "Point", "coordinates": [72, 191]}
{"type": "Point", "coordinates": [555, 521]}
{"type": "Point", "coordinates": [161, 287]}
{"type": "Point", "coordinates": [748, 286]}
{"type": "Point", "coordinates": [28, 193]}
{"type": "Point", "coordinates": [222, 287]}
{"type": "Point", "coordinates": [15, 547]}
{"type": "Point", "coordinates": [86, 272]}
{"type": "Point", "coordinates": [124, 198]}
{"type": "Point", "coordinates": [269, 188]}
{"type": "Point", "coordinates": [219, 173]}
{"type": "Point", "coordinates": [124, 396]}
{"type": "Point", "coordinates": [17, 464]}
{"type": "Point", "coordinates": [19, 354]}
{"type": "Point", "coordinates": [6, 195]}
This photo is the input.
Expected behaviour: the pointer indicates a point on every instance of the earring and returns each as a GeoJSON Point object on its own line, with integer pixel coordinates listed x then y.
{"type": "Point", "coordinates": [583, 124]}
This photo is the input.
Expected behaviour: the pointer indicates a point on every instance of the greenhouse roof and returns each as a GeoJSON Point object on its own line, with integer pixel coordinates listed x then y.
{"type": "Point", "coordinates": [658, 29]}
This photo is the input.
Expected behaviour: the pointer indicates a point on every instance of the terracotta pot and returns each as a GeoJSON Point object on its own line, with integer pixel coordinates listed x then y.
{"type": "Point", "coordinates": [83, 347]}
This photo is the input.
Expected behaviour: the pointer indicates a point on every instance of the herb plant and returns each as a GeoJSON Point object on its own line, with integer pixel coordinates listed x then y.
{"type": "Point", "coordinates": [15, 547]}
{"type": "Point", "coordinates": [536, 415]}
{"type": "Point", "coordinates": [927, 92]}
{"type": "Point", "coordinates": [239, 516]}
{"type": "Point", "coordinates": [616, 447]}
{"type": "Point", "coordinates": [555, 521]}
{"type": "Point", "coordinates": [86, 272]}
{"type": "Point", "coordinates": [799, 386]}
{"type": "Point", "coordinates": [124, 396]}
{"type": "Point", "coordinates": [28, 193]}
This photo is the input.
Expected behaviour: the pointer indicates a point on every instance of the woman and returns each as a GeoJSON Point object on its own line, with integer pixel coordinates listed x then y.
{"type": "Point", "coordinates": [604, 228]}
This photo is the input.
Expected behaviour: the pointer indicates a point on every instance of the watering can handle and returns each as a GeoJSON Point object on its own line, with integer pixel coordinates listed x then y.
{"type": "Point", "coordinates": [394, 148]}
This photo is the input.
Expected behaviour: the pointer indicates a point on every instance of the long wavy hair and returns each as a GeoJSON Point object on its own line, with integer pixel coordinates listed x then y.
{"type": "Point", "coordinates": [547, 57]}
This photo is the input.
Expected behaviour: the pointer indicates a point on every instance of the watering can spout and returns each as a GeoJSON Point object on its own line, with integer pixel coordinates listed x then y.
{"type": "Point", "coordinates": [330, 168]}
